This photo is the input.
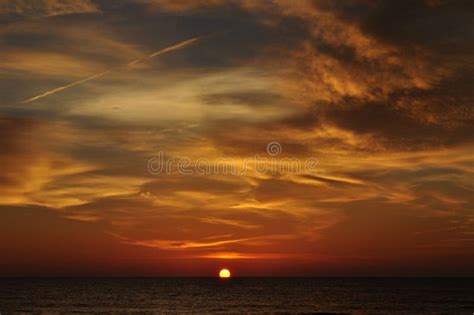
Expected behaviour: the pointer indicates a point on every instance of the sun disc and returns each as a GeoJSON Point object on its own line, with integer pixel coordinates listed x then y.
{"type": "Point", "coordinates": [224, 273]}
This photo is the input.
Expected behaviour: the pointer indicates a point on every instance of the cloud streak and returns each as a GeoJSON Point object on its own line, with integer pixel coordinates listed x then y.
{"type": "Point", "coordinates": [40, 8]}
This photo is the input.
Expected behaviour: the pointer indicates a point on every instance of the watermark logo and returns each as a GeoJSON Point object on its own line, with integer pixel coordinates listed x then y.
{"type": "Point", "coordinates": [271, 163]}
{"type": "Point", "coordinates": [274, 148]}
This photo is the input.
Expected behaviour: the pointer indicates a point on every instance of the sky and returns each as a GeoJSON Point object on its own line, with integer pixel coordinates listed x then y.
{"type": "Point", "coordinates": [372, 100]}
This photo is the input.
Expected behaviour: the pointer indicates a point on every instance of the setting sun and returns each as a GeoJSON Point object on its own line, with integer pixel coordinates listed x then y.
{"type": "Point", "coordinates": [224, 273]}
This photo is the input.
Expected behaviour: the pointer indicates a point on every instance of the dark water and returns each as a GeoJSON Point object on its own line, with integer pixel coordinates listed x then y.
{"type": "Point", "coordinates": [238, 295]}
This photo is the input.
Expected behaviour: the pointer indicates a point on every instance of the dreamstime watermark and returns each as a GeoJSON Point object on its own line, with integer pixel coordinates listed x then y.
{"type": "Point", "coordinates": [271, 164]}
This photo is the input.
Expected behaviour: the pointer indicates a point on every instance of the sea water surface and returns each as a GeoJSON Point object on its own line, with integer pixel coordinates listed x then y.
{"type": "Point", "coordinates": [238, 295]}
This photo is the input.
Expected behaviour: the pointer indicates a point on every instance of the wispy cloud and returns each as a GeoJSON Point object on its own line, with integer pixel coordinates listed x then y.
{"type": "Point", "coordinates": [40, 8]}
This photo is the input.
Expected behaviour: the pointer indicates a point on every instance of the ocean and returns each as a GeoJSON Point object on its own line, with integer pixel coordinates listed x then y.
{"type": "Point", "coordinates": [238, 295]}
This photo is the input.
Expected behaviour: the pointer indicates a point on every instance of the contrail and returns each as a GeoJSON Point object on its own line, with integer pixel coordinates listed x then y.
{"type": "Point", "coordinates": [177, 46]}
{"type": "Point", "coordinates": [95, 76]}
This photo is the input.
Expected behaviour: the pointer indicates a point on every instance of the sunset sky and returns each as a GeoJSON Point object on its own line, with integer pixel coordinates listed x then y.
{"type": "Point", "coordinates": [380, 93]}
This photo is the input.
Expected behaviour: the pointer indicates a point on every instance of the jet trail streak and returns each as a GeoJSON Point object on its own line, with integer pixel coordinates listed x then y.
{"type": "Point", "coordinates": [175, 47]}
{"type": "Point", "coordinates": [95, 76]}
